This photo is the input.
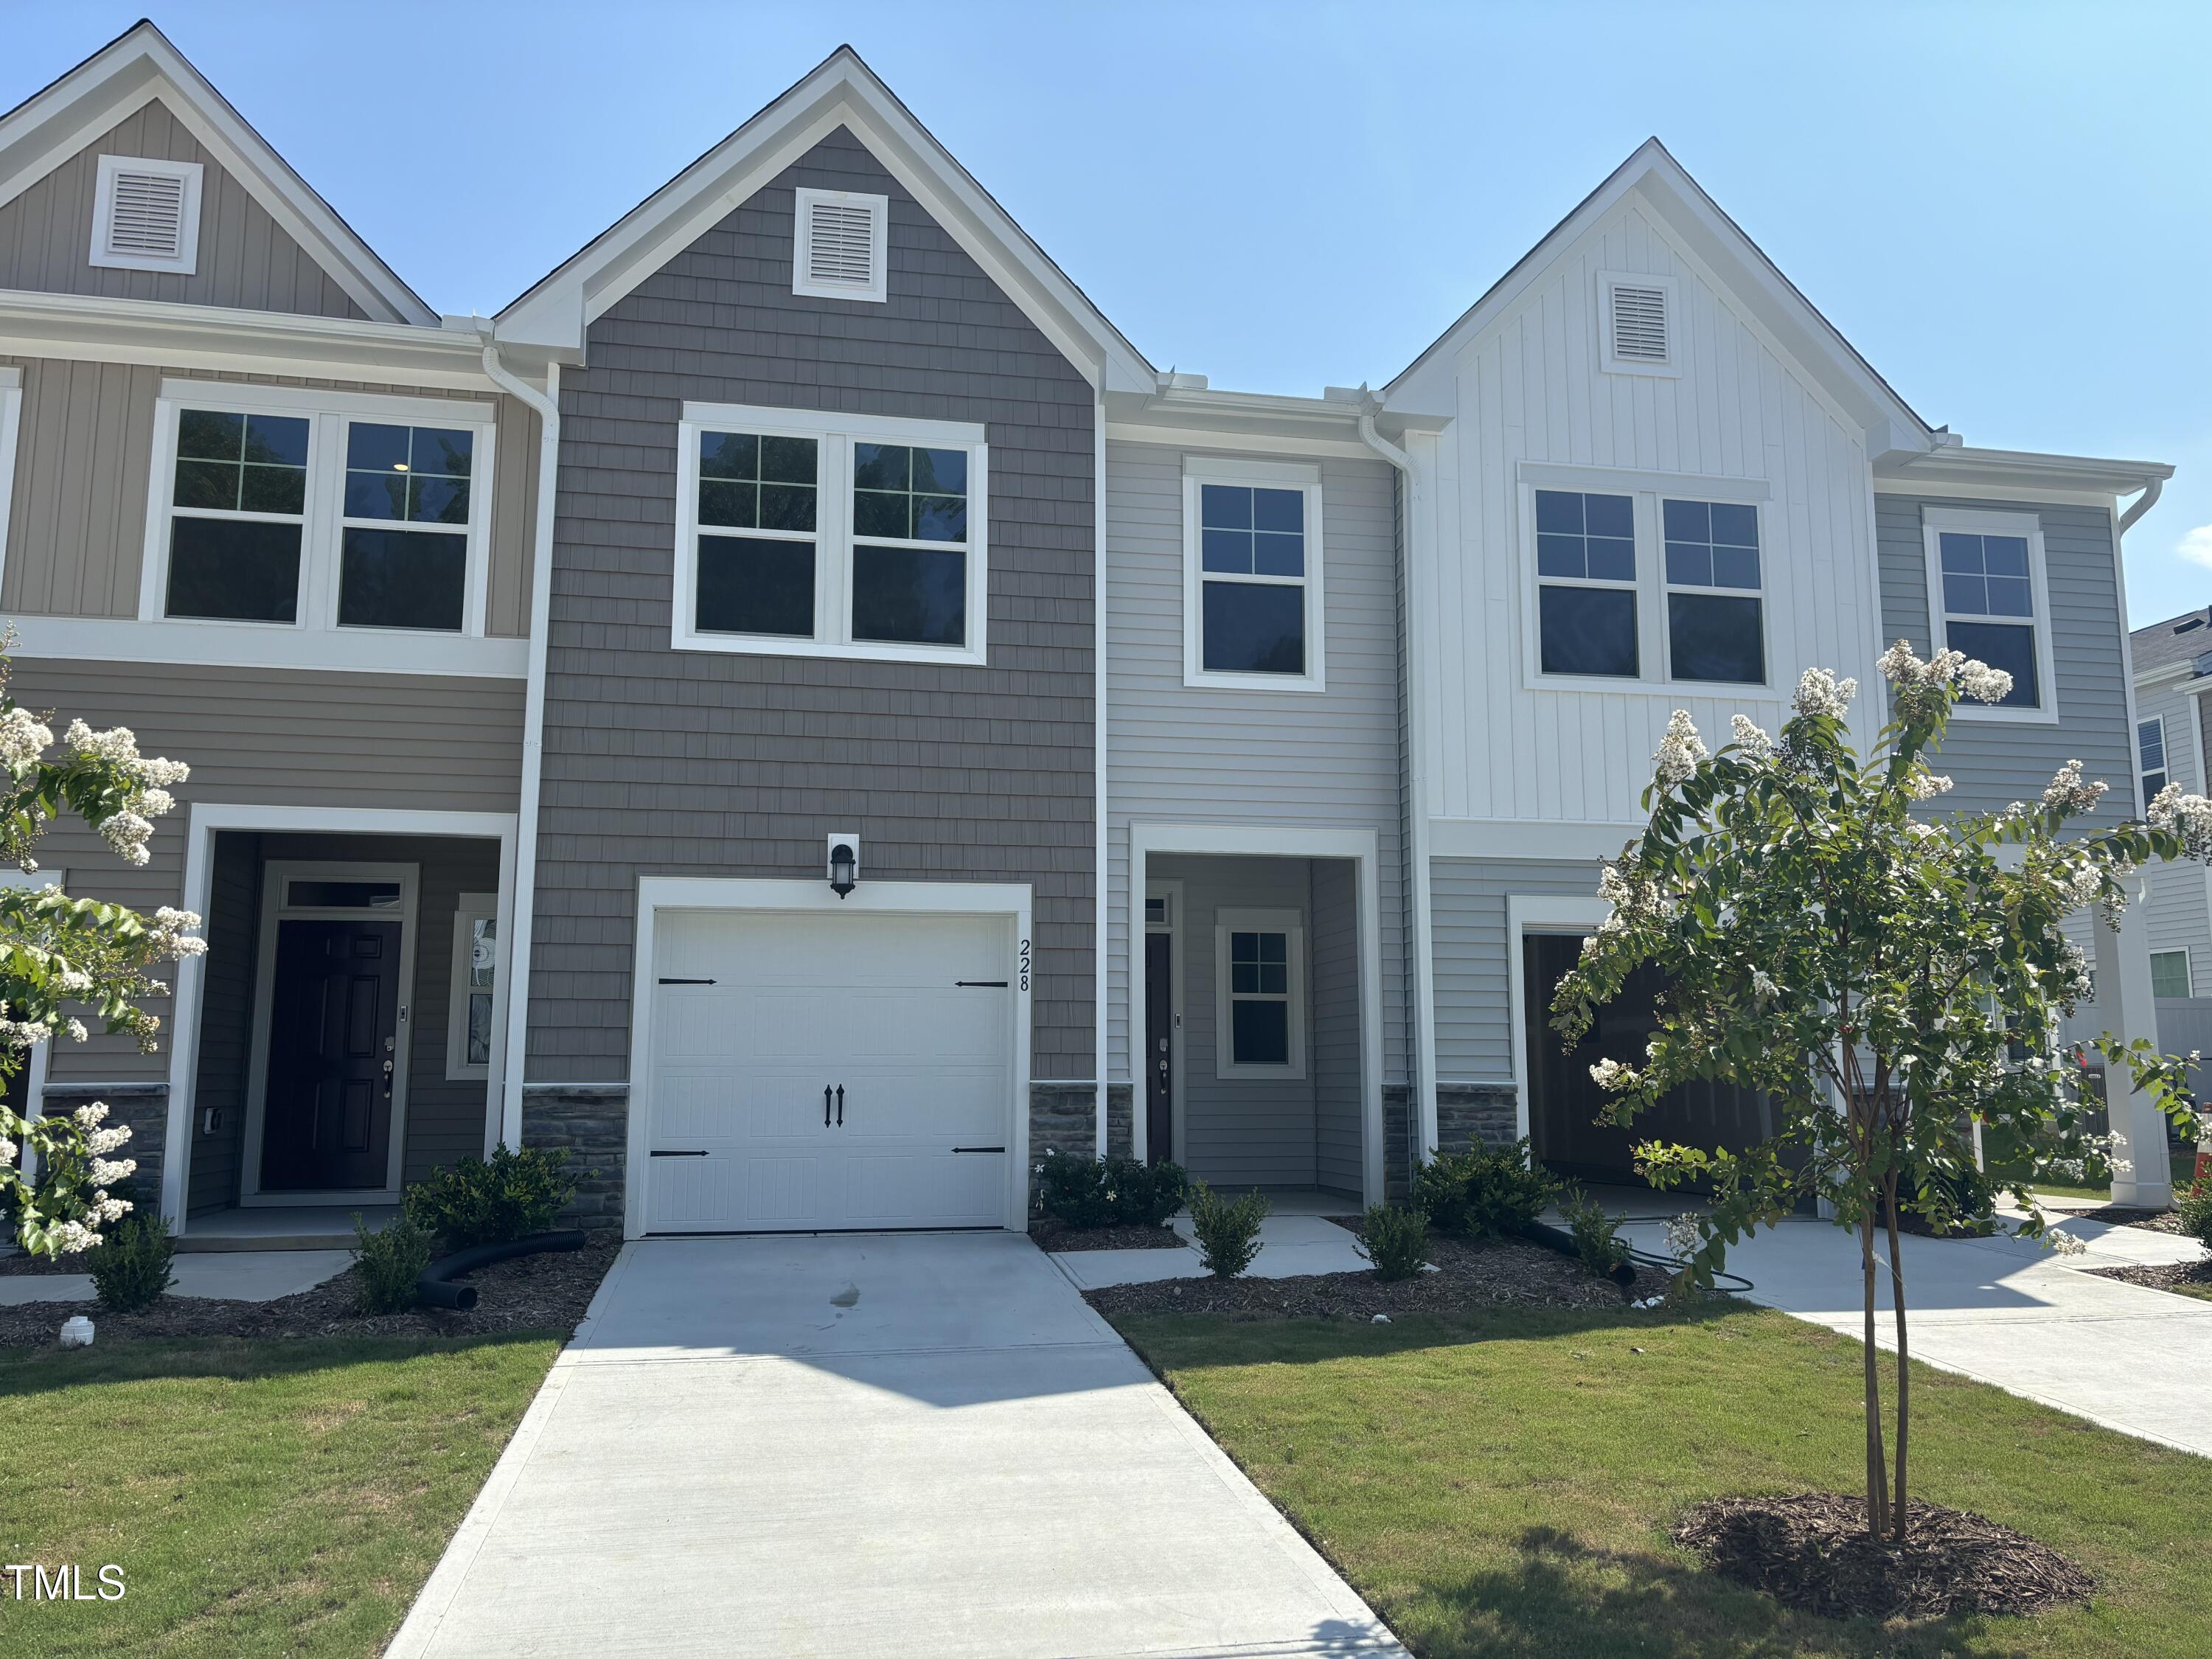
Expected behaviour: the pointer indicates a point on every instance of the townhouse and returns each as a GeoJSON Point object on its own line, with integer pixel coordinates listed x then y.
{"type": "Point", "coordinates": [797, 710]}
{"type": "Point", "coordinates": [2172, 663]}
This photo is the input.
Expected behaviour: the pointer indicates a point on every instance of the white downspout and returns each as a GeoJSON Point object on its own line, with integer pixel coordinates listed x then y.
{"type": "Point", "coordinates": [1102, 849]}
{"type": "Point", "coordinates": [1422, 1108]}
{"type": "Point", "coordinates": [514, 1045]}
{"type": "Point", "coordinates": [2142, 504]}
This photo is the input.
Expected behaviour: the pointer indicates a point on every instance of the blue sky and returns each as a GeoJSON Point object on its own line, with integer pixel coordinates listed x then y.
{"type": "Point", "coordinates": [2006, 208]}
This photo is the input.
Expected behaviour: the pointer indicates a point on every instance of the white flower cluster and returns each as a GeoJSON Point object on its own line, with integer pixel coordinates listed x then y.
{"type": "Point", "coordinates": [1763, 986]}
{"type": "Point", "coordinates": [129, 831]}
{"type": "Point", "coordinates": [98, 1141]}
{"type": "Point", "coordinates": [2064, 1244]}
{"type": "Point", "coordinates": [1684, 1233]}
{"type": "Point", "coordinates": [1748, 737]}
{"type": "Point", "coordinates": [1632, 901]}
{"type": "Point", "coordinates": [7, 1153]}
{"type": "Point", "coordinates": [2068, 793]}
{"type": "Point", "coordinates": [1925, 785]}
{"type": "Point", "coordinates": [2188, 816]}
{"type": "Point", "coordinates": [1681, 751]}
{"type": "Point", "coordinates": [23, 741]}
{"type": "Point", "coordinates": [1819, 692]}
{"type": "Point", "coordinates": [1977, 679]}
{"type": "Point", "coordinates": [22, 1033]}
{"type": "Point", "coordinates": [171, 935]}
{"type": "Point", "coordinates": [1612, 1074]}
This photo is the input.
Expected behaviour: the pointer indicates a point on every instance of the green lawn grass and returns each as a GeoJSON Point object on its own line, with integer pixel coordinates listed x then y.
{"type": "Point", "coordinates": [261, 1498]}
{"type": "Point", "coordinates": [1503, 1484]}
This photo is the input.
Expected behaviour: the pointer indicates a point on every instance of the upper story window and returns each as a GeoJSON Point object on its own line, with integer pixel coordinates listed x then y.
{"type": "Point", "coordinates": [1252, 614]}
{"type": "Point", "coordinates": [1986, 585]}
{"type": "Point", "coordinates": [275, 506]}
{"type": "Point", "coordinates": [820, 535]}
{"type": "Point", "coordinates": [1639, 584]}
{"type": "Point", "coordinates": [2150, 755]}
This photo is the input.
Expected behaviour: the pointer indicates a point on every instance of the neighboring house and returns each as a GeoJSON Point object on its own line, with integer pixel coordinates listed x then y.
{"type": "Point", "coordinates": [2173, 673]}
{"type": "Point", "coordinates": [904, 731]}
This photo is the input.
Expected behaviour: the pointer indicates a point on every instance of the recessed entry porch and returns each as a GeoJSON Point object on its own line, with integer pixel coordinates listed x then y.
{"type": "Point", "coordinates": [1253, 1015]}
{"type": "Point", "coordinates": [347, 1031]}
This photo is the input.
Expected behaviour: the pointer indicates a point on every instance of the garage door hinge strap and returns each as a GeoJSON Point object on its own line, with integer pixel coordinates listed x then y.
{"type": "Point", "coordinates": [658, 1153]}
{"type": "Point", "coordinates": [979, 984]}
{"type": "Point", "coordinates": [979, 1149]}
{"type": "Point", "coordinates": [687, 981]}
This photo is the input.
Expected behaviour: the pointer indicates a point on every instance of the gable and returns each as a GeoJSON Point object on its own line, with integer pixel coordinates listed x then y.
{"type": "Point", "coordinates": [246, 260]}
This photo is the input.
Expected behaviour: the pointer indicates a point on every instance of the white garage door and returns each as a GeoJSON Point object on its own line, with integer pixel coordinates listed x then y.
{"type": "Point", "coordinates": [823, 1072]}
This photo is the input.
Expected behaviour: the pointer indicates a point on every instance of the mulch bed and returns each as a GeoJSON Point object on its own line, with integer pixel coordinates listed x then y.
{"type": "Point", "coordinates": [1505, 1273]}
{"type": "Point", "coordinates": [1050, 1232]}
{"type": "Point", "coordinates": [21, 1264]}
{"type": "Point", "coordinates": [1810, 1551]}
{"type": "Point", "coordinates": [2165, 1278]}
{"type": "Point", "coordinates": [548, 1292]}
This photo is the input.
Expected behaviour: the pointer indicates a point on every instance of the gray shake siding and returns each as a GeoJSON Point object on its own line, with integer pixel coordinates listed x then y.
{"type": "Point", "coordinates": [1993, 763]}
{"type": "Point", "coordinates": [246, 260]}
{"type": "Point", "coordinates": [1264, 758]}
{"type": "Point", "coordinates": [1474, 964]}
{"type": "Point", "coordinates": [661, 761]}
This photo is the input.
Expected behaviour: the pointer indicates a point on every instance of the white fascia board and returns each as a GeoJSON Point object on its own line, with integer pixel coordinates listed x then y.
{"type": "Point", "coordinates": [841, 92]}
{"type": "Point", "coordinates": [2015, 469]}
{"type": "Point", "coordinates": [56, 124]}
{"type": "Point", "coordinates": [98, 329]}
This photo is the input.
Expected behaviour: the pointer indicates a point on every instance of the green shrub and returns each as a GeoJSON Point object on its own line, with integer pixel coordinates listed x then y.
{"type": "Point", "coordinates": [1111, 1192]}
{"type": "Point", "coordinates": [387, 1264]}
{"type": "Point", "coordinates": [1596, 1235]}
{"type": "Point", "coordinates": [131, 1269]}
{"type": "Point", "coordinates": [1962, 1199]}
{"type": "Point", "coordinates": [1228, 1233]}
{"type": "Point", "coordinates": [1485, 1191]}
{"type": "Point", "coordinates": [474, 1202]}
{"type": "Point", "coordinates": [1395, 1240]}
{"type": "Point", "coordinates": [2193, 1208]}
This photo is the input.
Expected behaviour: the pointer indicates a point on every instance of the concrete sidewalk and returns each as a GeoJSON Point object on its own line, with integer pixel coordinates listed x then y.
{"type": "Point", "coordinates": [867, 1446]}
{"type": "Point", "coordinates": [237, 1276]}
{"type": "Point", "coordinates": [1290, 1246]}
{"type": "Point", "coordinates": [2006, 1311]}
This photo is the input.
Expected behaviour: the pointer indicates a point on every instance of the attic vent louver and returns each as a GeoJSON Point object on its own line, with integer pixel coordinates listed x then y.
{"type": "Point", "coordinates": [840, 251]}
{"type": "Point", "coordinates": [146, 214]}
{"type": "Point", "coordinates": [1639, 324]}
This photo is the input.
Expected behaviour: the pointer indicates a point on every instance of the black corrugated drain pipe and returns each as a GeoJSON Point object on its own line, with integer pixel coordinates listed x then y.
{"type": "Point", "coordinates": [433, 1289]}
{"type": "Point", "coordinates": [1623, 1274]}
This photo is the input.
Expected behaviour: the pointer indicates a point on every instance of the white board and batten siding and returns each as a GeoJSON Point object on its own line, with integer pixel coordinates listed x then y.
{"type": "Point", "coordinates": [1178, 753]}
{"type": "Point", "coordinates": [1531, 388]}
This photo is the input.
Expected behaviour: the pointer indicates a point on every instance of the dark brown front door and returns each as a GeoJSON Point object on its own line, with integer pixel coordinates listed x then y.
{"type": "Point", "coordinates": [1159, 1039]}
{"type": "Point", "coordinates": [1565, 1101]}
{"type": "Point", "coordinates": [334, 1043]}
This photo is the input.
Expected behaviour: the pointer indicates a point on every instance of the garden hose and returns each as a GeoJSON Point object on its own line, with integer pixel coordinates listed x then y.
{"type": "Point", "coordinates": [1737, 1284]}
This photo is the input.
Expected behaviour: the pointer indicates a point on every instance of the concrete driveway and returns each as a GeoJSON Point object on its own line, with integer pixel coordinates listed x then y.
{"type": "Point", "coordinates": [862, 1445]}
{"type": "Point", "coordinates": [2010, 1312]}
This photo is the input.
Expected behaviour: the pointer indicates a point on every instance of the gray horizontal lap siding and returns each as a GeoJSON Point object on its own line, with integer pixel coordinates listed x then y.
{"type": "Point", "coordinates": [667, 763]}
{"type": "Point", "coordinates": [1473, 957]}
{"type": "Point", "coordinates": [1198, 755]}
{"type": "Point", "coordinates": [1993, 763]}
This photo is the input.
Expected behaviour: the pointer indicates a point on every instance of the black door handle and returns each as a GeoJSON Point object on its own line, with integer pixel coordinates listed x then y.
{"type": "Point", "coordinates": [825, 1105]}
{"type": "Point", "coordinates": [841, 1105]}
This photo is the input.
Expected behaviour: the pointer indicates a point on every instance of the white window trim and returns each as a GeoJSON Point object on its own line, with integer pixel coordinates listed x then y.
{"type": "Point", "coordinates": [878, 210]}
{"type": "Point", "coordinates": [2165, 755]}
{"type": "Point", "coordinates": [835, 435]}
{"type": "Point", "coordinates": [1198, 469]}
{"type": "Point", "coordinates": [11, 415]}
{"type": "Point", "coordinates": [1292, 924]}
{"type": "Point", "coordinates": [2188, 969]}
{"type": "Point", "coordinates": [1677, 333]}
{"type": "Point", "coordinates": [186, 262]}
{"type": "Point", "coordinates": [1975, 521]}
{"type": "Point", "coordinates": [1647, 490]}
{"type": "Point", "coordinates": [469, 909]}
{"type": "Point", "coordinates": [323, 533]}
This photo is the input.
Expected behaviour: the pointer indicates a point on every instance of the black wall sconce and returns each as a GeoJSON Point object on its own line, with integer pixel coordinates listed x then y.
{"type": "Point", "coordinates": [844, 863]}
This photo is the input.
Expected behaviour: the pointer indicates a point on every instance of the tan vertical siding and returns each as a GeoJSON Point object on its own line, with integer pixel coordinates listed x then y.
{"type": "Point", "coordinates": [245, 258]}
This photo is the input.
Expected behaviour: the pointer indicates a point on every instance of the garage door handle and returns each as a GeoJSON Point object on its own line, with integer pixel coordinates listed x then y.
{"type": "Point", "coordinates": [659, 1152]}
{"type": "Point", "coordinates": [841, 1105]}
{"type": "Point", "coordinates": [825, 1105]}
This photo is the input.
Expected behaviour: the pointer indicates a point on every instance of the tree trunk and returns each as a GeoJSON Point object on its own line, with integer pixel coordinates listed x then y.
{"type": "Point", "coordinates": [1904, 1372]}
{"type": "Point", "coordinates": [1877, 1470]}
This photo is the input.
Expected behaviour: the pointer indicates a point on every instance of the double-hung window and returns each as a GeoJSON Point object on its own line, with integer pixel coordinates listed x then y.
{"type": "Point", "coordinates": [2169, 974]}
{"type": "Point", "coordinates": [831, 535]}
{"type": "Point", "coordinates": [1252, 592]}
{"type": "Point", "coordinates": [1586, 617]}
{"type": "Point", "coordinates": [1715, 631]}
{"type": "Point", "coordinates": [1985, 582]}
{"type": "Point", "coordinates": [320, 510]}
{"type": "Point", "coordinates": [2150, 756]}
{"type": "Point", "coordinates": [1260, 993]}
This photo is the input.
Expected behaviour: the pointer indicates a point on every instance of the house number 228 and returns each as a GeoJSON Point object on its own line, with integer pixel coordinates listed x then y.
{"type": "Point", "coordinates": [1025, 964]}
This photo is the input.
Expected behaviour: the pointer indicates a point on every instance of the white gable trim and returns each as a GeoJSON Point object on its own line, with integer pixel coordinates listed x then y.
{"type": "Point", "coordinates": [1729, 260]}
{"type": "Point", "coordinates": [56, 124]}
{"type": "Point", "coordinates": [841, 92]}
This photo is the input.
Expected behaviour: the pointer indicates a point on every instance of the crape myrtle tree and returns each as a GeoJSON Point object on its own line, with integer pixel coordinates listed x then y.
{"type": "Point", "coordinates": [63, 959]}
{"type": "Point", "coordinates": [1890, 979]}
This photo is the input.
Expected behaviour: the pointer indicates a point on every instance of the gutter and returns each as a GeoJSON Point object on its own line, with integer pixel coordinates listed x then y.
{"type": "Point", "coordinates": [1423, 1128]}
{"type": "Point", "coordinates": [523, 900]}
